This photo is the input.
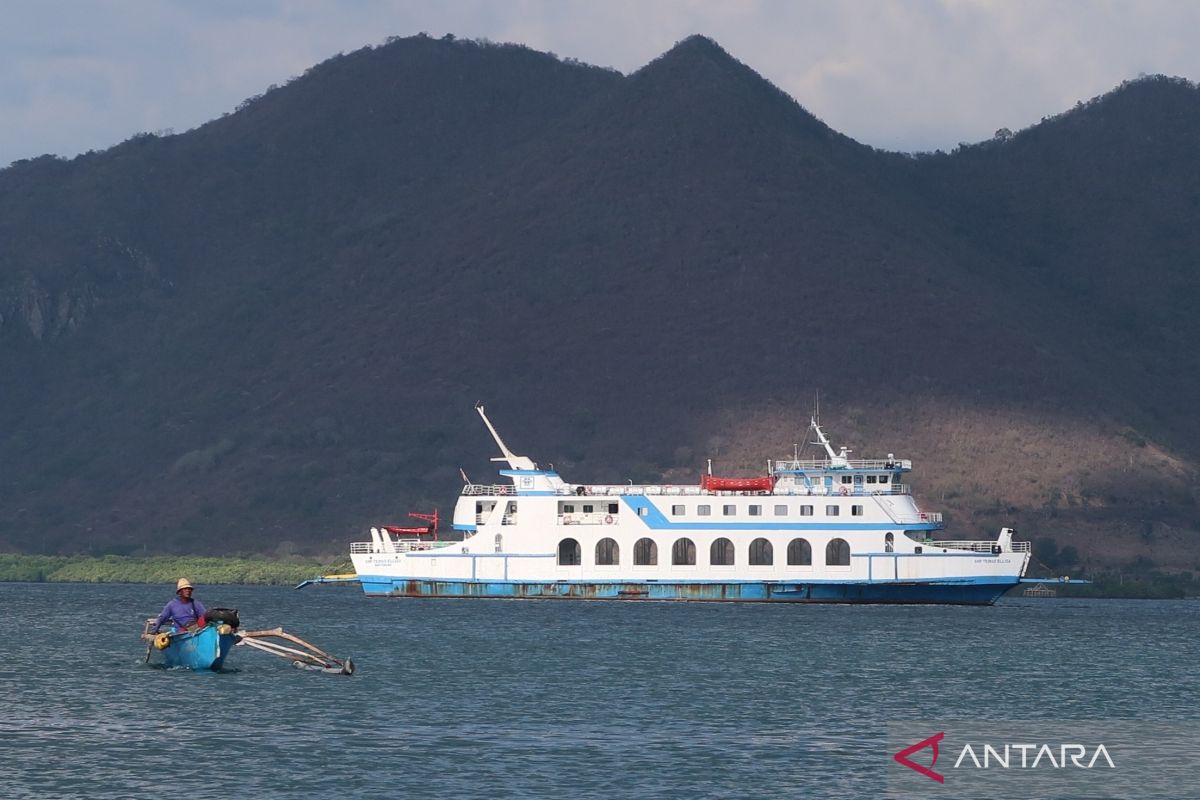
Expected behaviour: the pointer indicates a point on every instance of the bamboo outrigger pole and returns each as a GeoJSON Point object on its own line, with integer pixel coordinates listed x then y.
{"type": "Point", "coordinates": [310, 657]}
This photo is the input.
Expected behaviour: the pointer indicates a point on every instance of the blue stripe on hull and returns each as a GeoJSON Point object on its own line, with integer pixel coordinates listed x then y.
{"type": "Point", "coordinates": [962, 592]}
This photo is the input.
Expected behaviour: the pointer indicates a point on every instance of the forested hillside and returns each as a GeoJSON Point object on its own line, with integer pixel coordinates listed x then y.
{"type": "Point", "coordinates": [269, 332]}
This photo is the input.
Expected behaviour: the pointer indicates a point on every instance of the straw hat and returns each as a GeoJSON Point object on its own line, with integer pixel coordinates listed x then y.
{"type": "Point", "coordinates": [184, 583]}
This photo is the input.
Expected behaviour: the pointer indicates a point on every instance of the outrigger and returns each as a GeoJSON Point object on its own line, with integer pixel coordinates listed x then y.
{"type": "Point", "coordinates": [205, 648]}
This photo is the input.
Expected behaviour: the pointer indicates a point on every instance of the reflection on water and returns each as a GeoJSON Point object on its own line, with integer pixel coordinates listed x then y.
{"type": "Point", "coordinates": [550, 698]}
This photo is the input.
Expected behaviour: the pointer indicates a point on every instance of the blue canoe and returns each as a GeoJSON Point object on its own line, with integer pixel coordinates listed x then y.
{"type": "Point", "coordinates": [203, 649]}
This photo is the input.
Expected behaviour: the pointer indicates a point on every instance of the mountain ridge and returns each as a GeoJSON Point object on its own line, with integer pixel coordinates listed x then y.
{"type": "Point", "coordinates": [272, 328]}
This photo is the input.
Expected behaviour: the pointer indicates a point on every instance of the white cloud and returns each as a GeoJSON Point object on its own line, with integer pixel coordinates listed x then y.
{"type": "Point", "coordinates": [901, 74]}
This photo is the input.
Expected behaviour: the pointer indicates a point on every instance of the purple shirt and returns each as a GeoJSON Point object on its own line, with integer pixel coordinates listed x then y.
{"type": "Point", "coordinates": [180, 612]}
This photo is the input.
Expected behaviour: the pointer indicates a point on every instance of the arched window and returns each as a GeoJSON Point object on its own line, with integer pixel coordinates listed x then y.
{"type": "Point", "coordinates": [721, 553]}
{"type": "Point", "coordinates": [568, 553]}
{"type": "Point", "coordinates": [799, 553]}
{"type": "Point", "coordinates": [645, 552]}
{"type": "Point", "coordinates": [761, 553]}
{"type": "Point", "coordinates": [683, 552]}
{"type": "Point", "coordinates": [837, 553]}
{"type": "Point", "coordinates": [889, 542]}
{"type": "Point", "coordinates": [607, 553]}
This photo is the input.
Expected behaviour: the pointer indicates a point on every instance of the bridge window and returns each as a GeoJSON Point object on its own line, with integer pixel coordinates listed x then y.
{"type": "Point", "coordinates": [837, 553]}
{"type": "Point", "coordinates": [721, 553]}
{"type": "Point", "coordinates": [847, 479]}
{"type": "Point", "coordinates": [677, 511]}
{"type": "Point", "coordinates": [756, 511]}
{"type": "Point", "coordinates": [645, 553]}
{"type": "Point", "coordinates": [761, 553]}
{"type": "Point", "coordinates": [871, 479]}
{"type": "Point", "coordinates": [729, 511]}
{"type": "Point", "coordinates": [832, 511]}
{"type": "Point", "coordinates": [568, 508]}
{"type": "Point", "coordinates": [889, 542]}
{"type": "Point", "coordinates": [568, 553]}
{"type": "Point", "coordinates": [612, 508]}
{"type": "Point", "coordinates": [588, 509]}
{"type": "Point", "coordinates": [608, 553]}
{"type": "Point", "coordinates": [806, 511]}
{"type": "Point", "coordinates": [883, 478]}
{"type": "Point", "coordinates": [683, 552]}
{"type": "Point", "coordinates": [781, 511]}
{"type": "Point", "coordinates": [799, 553]}
{"type": "Point", "coordinates": [856, 511]}
{"type": "Point", "coordinates": [704, 510]}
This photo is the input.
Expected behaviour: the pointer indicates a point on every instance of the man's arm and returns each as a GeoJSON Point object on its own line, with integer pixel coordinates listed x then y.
{"type": "Point", "coordinates": [166, 612]}
{"type": "Point", "coordinates": [200, 609]}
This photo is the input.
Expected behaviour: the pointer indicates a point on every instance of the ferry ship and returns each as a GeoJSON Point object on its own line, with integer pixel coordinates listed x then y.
{"type": "Point", "coordinates": [827, 530]}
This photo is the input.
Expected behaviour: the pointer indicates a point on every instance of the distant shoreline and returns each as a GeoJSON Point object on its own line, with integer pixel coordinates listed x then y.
{"type": "Point", "coordinates": [264, 571]}
{"type": "Point", "coordinates": [211, 570]}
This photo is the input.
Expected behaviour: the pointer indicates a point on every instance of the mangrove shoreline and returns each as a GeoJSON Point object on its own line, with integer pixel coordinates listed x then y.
{"type": "Point", "coordinates": [245, 570]}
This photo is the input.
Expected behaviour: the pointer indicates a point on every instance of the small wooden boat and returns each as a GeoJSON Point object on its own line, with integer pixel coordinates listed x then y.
{"type": "Point", "coordinates": [200, 649]}
{"type": "Point", "coordinates": [205, 648]}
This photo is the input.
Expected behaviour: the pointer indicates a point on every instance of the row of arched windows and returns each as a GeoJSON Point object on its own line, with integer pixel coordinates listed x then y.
{"type": "Point", "coordinates": [721, 553]}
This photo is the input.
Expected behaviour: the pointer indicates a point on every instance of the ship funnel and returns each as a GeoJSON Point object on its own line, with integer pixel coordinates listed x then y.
{"type": "Point", "coordinates": [514, 461]}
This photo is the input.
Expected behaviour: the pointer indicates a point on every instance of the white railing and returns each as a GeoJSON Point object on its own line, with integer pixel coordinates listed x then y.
{"type": "Point", "coordinates": [866, 490]}
{"type": "Point", "coordinates": [484, 489]}
{"type": "Point", "coordinates": [923, 517]}
{"type": "Point", "coordinates": [594, 518]}
{"type": "Point", "coordinates": [823, 464]}
{"type": "Point", "coordinates": [402, 546]}
{"type": "Point", "coordinates": [979, 547]}
{"type": "Point", "coordinates": [675, 490]}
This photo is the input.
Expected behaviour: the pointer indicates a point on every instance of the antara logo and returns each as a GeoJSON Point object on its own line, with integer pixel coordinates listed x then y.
{"type": "Point", "coordinates": [1031, 756]}
{"type": "Point", "coordinates": [932, 742]}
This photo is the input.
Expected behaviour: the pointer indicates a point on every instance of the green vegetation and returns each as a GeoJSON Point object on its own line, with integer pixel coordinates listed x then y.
{"type": "Point", "coordinates": [1152, 585]}
{"type": "Point", "coordinates": [161, 569]}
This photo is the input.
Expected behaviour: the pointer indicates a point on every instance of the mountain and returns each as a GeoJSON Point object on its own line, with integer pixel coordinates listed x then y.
{"type": "Point", "coordinates": [268, 332]}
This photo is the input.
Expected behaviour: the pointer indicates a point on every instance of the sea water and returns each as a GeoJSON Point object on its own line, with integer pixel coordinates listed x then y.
{"type": "Point", "coordinates": [517, 698]}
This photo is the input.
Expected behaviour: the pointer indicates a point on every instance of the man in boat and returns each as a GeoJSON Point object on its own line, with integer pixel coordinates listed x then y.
{"type": "Point", "coordinates": [183, 611]}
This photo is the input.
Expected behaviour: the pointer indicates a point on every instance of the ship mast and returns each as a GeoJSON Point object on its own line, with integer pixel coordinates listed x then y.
{"type": "Point", "coordinates": [514, 461]}
{"type": "Point", "coordinates": [836, 460]}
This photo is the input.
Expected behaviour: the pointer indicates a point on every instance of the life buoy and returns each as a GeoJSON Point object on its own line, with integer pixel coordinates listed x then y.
{"type": "Point", "coordinates": [608, 519]}
{"type": "Point", "coordinates": [844, 490]}
{"type": "Point", "coordinates": [567, 519]}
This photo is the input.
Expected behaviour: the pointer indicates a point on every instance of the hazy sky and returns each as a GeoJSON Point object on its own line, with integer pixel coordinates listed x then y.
{"type": "Point", "coordinates": [912, 75]}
